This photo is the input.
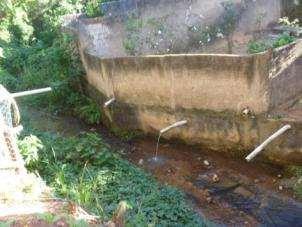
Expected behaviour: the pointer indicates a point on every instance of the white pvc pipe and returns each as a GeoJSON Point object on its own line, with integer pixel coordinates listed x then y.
{"type": "Point", "coordinates": [266, 142]}
{"type": "Point", "coordinates": [32, 92]}
{"type": "Point", "coordinates": [177, 124]}
{"type": "Point", "coordinates": [109, 102]}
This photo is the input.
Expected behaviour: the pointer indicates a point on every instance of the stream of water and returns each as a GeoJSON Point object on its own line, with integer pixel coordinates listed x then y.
{"type": "Point", "coordinates": [241, 193]}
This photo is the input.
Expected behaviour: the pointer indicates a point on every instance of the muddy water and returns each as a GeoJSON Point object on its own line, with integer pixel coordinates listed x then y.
{"type": "Point", "coordinates": [224, 190]}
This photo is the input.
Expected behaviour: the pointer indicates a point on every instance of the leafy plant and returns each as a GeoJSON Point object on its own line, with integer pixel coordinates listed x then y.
{"type": "Point", "coordinates": [93, 8]}
{"type": "Point", "coordinates": [85, 170]}
{"type": "Point", "coordinates": [133, 26]}
{"type": "Point", "coordinates": [89, 111]}
{"type": "Point", "coordinates": [283, 40]}
{"type": "Point", "coordinates": [260, 46]}
{"type": "Point", "coordinates": [29, 147]}
{"type": "Point", "coordinates": [257, 47]}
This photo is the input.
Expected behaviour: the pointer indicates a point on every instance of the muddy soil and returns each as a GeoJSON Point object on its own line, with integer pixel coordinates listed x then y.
{"type": "Point", "coordinates": [223, 190]}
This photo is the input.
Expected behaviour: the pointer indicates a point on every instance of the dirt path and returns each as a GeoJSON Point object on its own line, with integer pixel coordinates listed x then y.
{"type": "Point", "coordinates": [224, 190]}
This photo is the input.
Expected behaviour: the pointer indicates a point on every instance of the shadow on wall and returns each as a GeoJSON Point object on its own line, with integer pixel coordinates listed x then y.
{"type": "Point", "coordinates": [143, 27]}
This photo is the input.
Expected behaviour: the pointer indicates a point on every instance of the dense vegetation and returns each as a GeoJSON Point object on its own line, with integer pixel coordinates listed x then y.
{"type": "Point", "coordinates": [261, 46]}
{"type": "Point", "coordinates": [35, 53]}
{"type": "Point", "coordinates": [82, 168]}
{"type": "Point", "coordinates": [257, 46]}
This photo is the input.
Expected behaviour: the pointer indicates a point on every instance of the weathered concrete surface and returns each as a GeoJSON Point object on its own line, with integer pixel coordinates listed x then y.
{"type": "Point", "coordinates": [175, 26]}
{"type": "Point", "coordinates": [214, 82]}
{"type": "Point", "coordinates": [285, 75]}
{"type": "Point", "coordinates": [210, 91]}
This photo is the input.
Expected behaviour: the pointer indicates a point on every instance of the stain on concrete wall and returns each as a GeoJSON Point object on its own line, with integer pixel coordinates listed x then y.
{"type": "Point", "coordinates": [178, 26]}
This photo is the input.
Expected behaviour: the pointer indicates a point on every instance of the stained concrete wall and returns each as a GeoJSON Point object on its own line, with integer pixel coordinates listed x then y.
{"type": "Point", "coordinates": [209, 91]}
{"type": "Point", "coordinates": [209, 82]}
{"type": "Point", "coordinates": [219, 83]}
{"type": "Point", "coordinates": [286, 75]}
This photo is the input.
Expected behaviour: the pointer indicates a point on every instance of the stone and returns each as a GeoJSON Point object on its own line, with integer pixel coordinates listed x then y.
{"type": "Point", "coordinates": [209, 199]}
{"type": "Point", "coordinates": [141, 161]}
{"type": "Point", "coordinates": [280, 187]}
{"type": "Point", "coordinates": [215, 178]}
{"type": "Point", "coordinates": [206, 162]}
{"type": "Point", "coordinates": [133, 149]}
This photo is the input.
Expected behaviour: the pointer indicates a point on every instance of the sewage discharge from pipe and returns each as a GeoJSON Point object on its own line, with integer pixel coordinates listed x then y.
{"type": "Point", "coordinates": [164, 130]}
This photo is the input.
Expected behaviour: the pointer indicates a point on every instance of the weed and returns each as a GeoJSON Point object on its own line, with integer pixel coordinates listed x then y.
{"type": "Point", "coordinates": [84, 169]}
{"type": "Point", "coordinates": [261, 46]}
{"type": "Point", "coordinates": [48, 217]}
{"type": "Point", "coordinates": [125, 135]}
{"type": "Point", "coordinates": [133, 26]}
{"type": "Point", "coordinates": [93, 9]}
{"type": "Point", "coordinates": [283, 40]}
{"type": "Point", "coordinates": [257, 47]}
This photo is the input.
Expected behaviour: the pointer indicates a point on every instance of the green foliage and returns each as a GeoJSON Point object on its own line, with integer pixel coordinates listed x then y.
{"type": "Point", "coordinates": [49, 58]}
{"type": "Point", "coordinates": [93, 9]}
{"type": "Point", "coordinates": [297, 171]}
{"type": "Point", "coordinates": [90, 112]}
{"type": "Point", "coordinates": [229, 17]}
{"type": "Point", "coordinates": [257, 47]}
{"type": "Point", "coordinates": [125, 135]}
{"type": "Point", "coordinates": [85, 170]}
{"type": "Point", "coordinates": [260, 46]}
{"type": "Point", "coordinates": [283, 40]}
{"type": "Point", "coordinates": [29, 147]}
{"type": "Point", "coordinates": [133, 27]}
{"type": "Point", "coordinates": [48, 217]}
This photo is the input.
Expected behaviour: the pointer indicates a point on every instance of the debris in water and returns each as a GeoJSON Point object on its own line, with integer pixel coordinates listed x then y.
{"type": "Point", "coordinates": [141, 161]}
{"type": "Point", "coordinates": [133, 149]}
{"type": "Point", "coordinates": [206, 162]}
{"type": "Point", "coordinates": [280, 187]}
{"type": "Point", "coordinates": [215, 178]}
{"type": "Point", "coordinates": [209, 199]}
{"type": "Point", "coordinates": [246, 111]}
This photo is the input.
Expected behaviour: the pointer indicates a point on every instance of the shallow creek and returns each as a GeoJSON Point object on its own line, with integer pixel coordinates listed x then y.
{"type": "Point", "coordinates": [223, 190]}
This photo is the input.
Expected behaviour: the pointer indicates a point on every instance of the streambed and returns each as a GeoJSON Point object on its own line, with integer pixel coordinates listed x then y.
{"type": "Point", "coordinates": [223, 190]}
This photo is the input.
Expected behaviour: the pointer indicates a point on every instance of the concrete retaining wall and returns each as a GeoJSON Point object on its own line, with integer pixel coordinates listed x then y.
{"type": "Point", "coordinates": [209, 82]}
{"type": "Point", "coordinates": [210, 91]}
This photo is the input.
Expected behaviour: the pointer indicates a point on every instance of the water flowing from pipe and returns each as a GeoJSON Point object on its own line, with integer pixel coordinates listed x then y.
{"type": "Point", "coordinates": [164, 130]}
